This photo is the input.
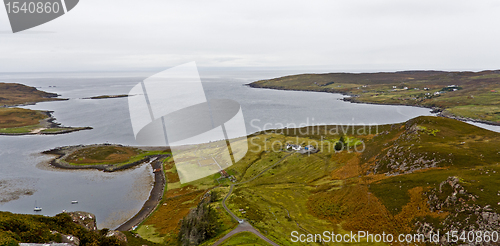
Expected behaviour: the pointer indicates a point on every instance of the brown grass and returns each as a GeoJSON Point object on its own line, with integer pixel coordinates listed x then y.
{"type": "Point", "coordinates": [17, 117]}
{"type": "Point", "coordinates": [417, 207]}
{"type": "Point", "coordinates": [102, 154]}
{"type": "Point", "coordinates": [178, 204]}
{"type": "Point", "coordinates": [15, 94]}
{"type": "Point", "coordinates": [354, 207]}
{"type": "Point", "coordinates": [172, 177]}
{"type": "Point", "coordinates": [351, 167]}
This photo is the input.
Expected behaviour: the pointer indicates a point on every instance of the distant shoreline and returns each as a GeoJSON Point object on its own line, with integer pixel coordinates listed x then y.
{"type": "Point", "coordinates": [47, 126]}
{"type": "Point", "coordinates": [28, 121]}
{"type": "Point", "coordinates": [352, 99]}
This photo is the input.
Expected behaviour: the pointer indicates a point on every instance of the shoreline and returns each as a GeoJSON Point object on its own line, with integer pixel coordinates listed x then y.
{"type": "Point", "coordinates": [48, 124]}
{"type": "Point", "coordinates": [155, 196]}
{"type": "Point", "coordinates": [351, 98]}
{"type": "Point", "coordinates": [156, 162]}
{"type": "Point", "coordinates": [62, 152]}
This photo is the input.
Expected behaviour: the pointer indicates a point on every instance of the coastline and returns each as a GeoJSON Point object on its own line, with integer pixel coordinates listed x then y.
{"type": "Point", "coordinates": [156, 162]}
{"type": "Point", "coordinates": [62, 152]}
{"type": "Point", "coordinates": [352, 99]}
{"type": "Point", "coordinates": [47, 126]}
{"type": "Point", "coordinates": [153, 201]}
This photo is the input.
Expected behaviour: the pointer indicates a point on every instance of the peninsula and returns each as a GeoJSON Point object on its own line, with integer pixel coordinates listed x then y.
{"type": "Point", "coordinates": [461, 95]}
{"type": "Point", "coordinates": [21, 121]}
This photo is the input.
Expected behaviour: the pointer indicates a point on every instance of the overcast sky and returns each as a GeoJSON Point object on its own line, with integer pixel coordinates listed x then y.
{"type": "Point", "coordinates": [350, 35]}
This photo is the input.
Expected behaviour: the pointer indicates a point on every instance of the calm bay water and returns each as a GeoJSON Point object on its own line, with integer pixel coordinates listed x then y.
{"type": "Point", "coordinates": [115, 197]}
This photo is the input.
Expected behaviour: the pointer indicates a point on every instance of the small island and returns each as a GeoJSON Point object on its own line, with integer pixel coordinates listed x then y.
{"type": "Point", "coordinates": [105, 157]}
{"type": "Point", "coordinates": [21, 121]}
{"type": "Point", "coordinates": [470, 96]}
{"type": "Point", "coordinates": [106, 96]}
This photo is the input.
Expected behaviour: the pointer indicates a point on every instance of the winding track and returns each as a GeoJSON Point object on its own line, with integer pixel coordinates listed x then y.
{"type": "Point", "coordinates": [245, 226]}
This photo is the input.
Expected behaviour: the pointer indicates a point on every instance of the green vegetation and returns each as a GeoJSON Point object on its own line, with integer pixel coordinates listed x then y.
{"type": "Point", "coordinates": [12, 94]}
{"type": "Point", "coordinates": [462, 94]}
{"type": "Point", "coordinates": [102, 154]}
{"type": "Point", "coordinates": [108, 155]}
{"type": "Point", "coordinates": [133, 239]}
{"type": "Point", "coordinates": [16, 228]}
{"type": "Point", "coordinates": [12, 118]}
{"type": "Point", "coordinates": [163, 225]}
{"type": "Point", "coordinates": [244, 239]}
{"type": "Point", "coordinates": [201, 224]}
{"type": "Point", "coordinates": [384, 187]}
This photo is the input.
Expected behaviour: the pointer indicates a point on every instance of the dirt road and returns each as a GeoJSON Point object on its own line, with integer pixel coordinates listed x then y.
{"type": "Point", "coordinates": [245, 226]}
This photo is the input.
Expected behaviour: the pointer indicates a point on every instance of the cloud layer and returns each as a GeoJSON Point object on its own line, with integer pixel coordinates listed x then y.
{"type": "Point", "coordinates": [350, 35]}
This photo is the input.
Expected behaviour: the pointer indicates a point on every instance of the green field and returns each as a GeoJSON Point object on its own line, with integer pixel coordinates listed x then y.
{"type": "Point", "coordinates": [108, 155]}
{"type": "Point", "coordinates": [12, 94]}
{"type": "Point", "coordinates": [400, 177]}
{"type": "Point", "coordinates": [20, 121]}
{"type": "Point", "coordinates": [476, 95]}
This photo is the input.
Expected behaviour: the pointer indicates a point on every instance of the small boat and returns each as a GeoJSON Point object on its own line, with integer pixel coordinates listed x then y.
{"type": "Point", "coordinates": [37, 209]}
{"type": "Point", "coordinates": [74, 202]}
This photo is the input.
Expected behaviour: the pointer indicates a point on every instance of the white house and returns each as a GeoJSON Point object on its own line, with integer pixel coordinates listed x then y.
{"type": "Point", "coordinates": [293, 146]}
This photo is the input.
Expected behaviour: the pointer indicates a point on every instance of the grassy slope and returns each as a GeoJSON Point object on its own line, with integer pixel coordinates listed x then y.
{"type": "Point", "coordinates": [341, 191]}
{"type": "Point", "coordinates": [244, 239]}
{"type": "Point", "coordinates": [24, 121]}
{"type": "Point", "coordinates": [163, 225]}
{"type": "Point", "coordinates": [478, 98]}
{"type": "Point", "coordinates": [19, 117]}
{"type": "Point", "coordinates": [12, 94]}
{"type": "Point", "coordinates": [109, 155]}
{"type": "Point", "coordinates": [15, 228]}
{"type": "Point", "coordinates": [19, 120]}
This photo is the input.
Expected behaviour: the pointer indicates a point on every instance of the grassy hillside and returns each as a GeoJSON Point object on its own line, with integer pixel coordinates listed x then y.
{"type": "Point", "coordinates": [19, 121]}
{"type": "Point", "coordinates": [476, 95]}
{"type": "Point", "coordinates": [19, 117]}
{"type": "Point", "coordinates": [12, 94]}
{"type": "Point", "coordinates": [427, 173]}
{"type": "Point", "coordinates": [17, 228]}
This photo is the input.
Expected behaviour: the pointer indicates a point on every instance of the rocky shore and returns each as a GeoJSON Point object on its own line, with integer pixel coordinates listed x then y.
{"type": "Point", "coordinates": [62, 152]}
{"type": "Point", "coordinates": [48, 126]}
{"type": "Point", "coordinates": [154, 198]}
{"type": "Point", "coordinates": [352, 98]}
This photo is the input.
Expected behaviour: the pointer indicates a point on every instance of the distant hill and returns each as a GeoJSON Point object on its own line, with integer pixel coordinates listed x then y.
{"type": "Point", "coordinates": [473, 95]}
{"type": "Point", "coordinates": [16, 94]}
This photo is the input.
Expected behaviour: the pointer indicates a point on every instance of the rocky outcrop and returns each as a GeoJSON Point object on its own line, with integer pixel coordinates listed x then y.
{"type": "Point", "coordinates": [84, 219]}
{"type": "Point", "coordinates": [117, 234]}
{"type": "Point", "coordinates": [465, 214]}
{"type": "Point", "coordinates": [399, 158]}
